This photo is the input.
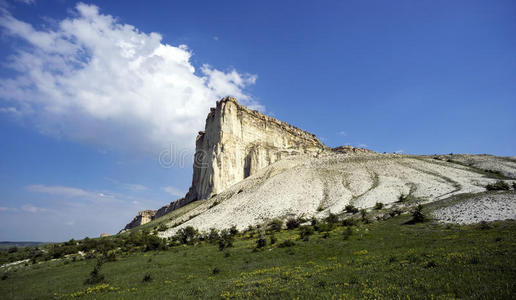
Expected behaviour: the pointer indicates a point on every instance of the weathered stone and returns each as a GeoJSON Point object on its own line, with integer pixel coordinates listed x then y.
{"type": "Point", "coordinates": [237, 142]}
{"type": "Point", "coordinates": [143, 217]}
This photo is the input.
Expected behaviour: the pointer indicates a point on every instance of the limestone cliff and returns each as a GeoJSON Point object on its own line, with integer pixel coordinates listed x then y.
{"type": "Point", "coordinates": [143, 217]}
{"type": "Point", "coordinates": [236, 143]}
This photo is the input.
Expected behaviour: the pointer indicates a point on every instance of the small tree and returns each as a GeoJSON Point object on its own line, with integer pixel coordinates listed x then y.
{"type": "Point", "coordinates": [378, 205]}
{"type": "Point", "coordinates": [350, 208]}
{"type": "Point", "coordinates": [417, 214]}
{"type": "Point", "coordinates": [293, 223]}
{"type": "Point", "coordinates": [275, 225]}
{"type": "Point", "coordinates": [332, 219]}
{"type": "Point", "coordinates": [187, 235]}
{"type": "Point", "coordinates": [95, 275]}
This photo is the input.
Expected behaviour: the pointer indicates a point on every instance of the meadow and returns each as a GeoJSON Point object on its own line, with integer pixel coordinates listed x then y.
{"type": "Point", "coordinates": [330, 260]}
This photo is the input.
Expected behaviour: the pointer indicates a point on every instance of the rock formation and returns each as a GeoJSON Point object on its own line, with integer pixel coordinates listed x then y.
{"type": "Point", "coordinates": [143, 217]}
{"type": "Point", "coordinates": [236, 143]}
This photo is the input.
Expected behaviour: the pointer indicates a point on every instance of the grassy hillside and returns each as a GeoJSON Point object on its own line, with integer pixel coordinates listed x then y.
{"type": "Point", "coordinates": [386, 259]}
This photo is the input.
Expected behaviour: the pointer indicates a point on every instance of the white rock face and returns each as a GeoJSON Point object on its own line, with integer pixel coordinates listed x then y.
{"type": "Point", "coordinates": [237, 142]}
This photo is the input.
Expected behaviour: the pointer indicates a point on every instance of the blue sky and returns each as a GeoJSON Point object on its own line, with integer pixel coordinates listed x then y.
{"type": "Point", "coordinates": [91, 93]}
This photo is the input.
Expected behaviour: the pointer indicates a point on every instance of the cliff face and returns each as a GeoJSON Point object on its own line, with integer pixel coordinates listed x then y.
{"type": "Point", "coordinates": [237, 142]}
{"type": "Point", "coordinates": [143, 217]}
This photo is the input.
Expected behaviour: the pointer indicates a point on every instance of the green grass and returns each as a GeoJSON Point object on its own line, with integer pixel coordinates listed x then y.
{"type": "Point", "coordinates": [380, 260]}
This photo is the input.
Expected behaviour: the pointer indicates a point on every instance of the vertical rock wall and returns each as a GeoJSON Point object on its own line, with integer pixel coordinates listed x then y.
{"type": "Point", "coordinates": [237, 142]}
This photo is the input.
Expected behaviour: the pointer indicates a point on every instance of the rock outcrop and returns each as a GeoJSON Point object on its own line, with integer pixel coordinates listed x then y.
{"type": "Point", "coordinates": [143, 217]}
{"type": "Point", "coordinates": [236, 143]}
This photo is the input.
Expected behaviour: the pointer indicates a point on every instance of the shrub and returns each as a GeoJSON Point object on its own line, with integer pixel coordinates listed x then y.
{"type": "Point", "coordinates": [272, 239]}
{"type": "Point", "coordinates": [225, 240]}
{"type": "Point", "coordinates": [187, 235]}
{"type": "Point", "coordinates": [147, 277]}
{"type": "Point", "coordinates": [306, 232]}
{"type": "Point", "coordinates": [500, 185]}
{"type": "Point", "coordinates": [215, 271]}
{"type": "Point", "coordinates": [514, 185]}
{"type": "Point", "coordinates": [233, 230]}
{"type": "Point", "coordinates": [95, 275]}
{"type": "Point", "coordinates": [378, 205]}
{"type": "Point", "coordinates": [484, 225]}
{"type": "Point", "coordinates": [162, 227]}
{"type": "Point", "coordinates": [324, 227]}
{"type": "Point", "coordinates": [417, 214]}
{"type": "Point", "coordinates": [293, 223]}
{"type": "Point", "coordinates": [350, 208]}
{"type": "Point", "coordinates": [213, 235]}
{"type": "Point", "coordinates": [347, 233]}
{"type": "Point", "coordinates": [320, 208]}
{"type": "Point", "coordinates": [155, 243]}
{"type": "Point", "coordinates": [275, 225]}
{"type": "Point", "coordinates": [363, 216]}
{"type": "Point", "coordinates": [349, 222]}
{"type": "Point", "coordinates": [286, 243]}
{"type": "Point", "coordinates": [332, 219]}
{"type": "Point", "coordinates": [215, 203]}
{"type": "Point", "coordinates": [261, 242]}
{"type": "Point", "coordinates": [4, 276]}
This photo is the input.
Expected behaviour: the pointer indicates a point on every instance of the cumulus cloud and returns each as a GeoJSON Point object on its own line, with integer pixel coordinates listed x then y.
{"type": "Point", "coordinates": [95, 80]}
{"type": "Point", "coordinates": [174, 191]}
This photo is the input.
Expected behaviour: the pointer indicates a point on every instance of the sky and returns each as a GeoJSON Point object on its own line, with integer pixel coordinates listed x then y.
{"type": "Point", "coordinates": [100, 102]}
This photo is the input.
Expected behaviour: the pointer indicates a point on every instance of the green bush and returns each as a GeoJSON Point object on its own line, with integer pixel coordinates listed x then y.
{"type": "Point", "coordinates": [272, 239]}
{"type": "Point", "coordinates": [275, 225]}
{"type": "Point", "coordinates": [293, 223]}
{"type": "Point", "coordinates": [417, 214]}
{"type": "Point", "coordinates": [95, 275]}
{"type": "Point", "coordinates": [261, 242]}
{"type": "Point", "coordinates": [378, 205]}
{"type": "Point", "coordinates": [348, 232]}
{"type": "Point", "coordinates": [233, 230]}
{"type": "Point", "coordinates": [349, 222]}
{"type": "Point", "coordinates": [187, 235]}
{"type": "Point", "coordinates": [306, 232]}
{"type": "Point", "coordinates": [215, 271]}
{"type": "Point", "coordinates": [350, 208]}
{"type": "Point", "coordinates": [286, 243]}
{"type": "Point", "coordinates": [363, 216]}
{"type": "Point", "coordinates": [147, 277]}
{"type": "Point", "coordinates": [332, 219]}
{"type": "Point", "coordinates": [500, 185]}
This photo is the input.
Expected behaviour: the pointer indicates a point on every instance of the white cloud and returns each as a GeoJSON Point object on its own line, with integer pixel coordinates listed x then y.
{"type": "Point", "coordinates": [3, 208]}
{"type": "Point", "coordinates": [32, 209]}
{"type": "Point", "coordinates": [94, 80]}
{"type": "Point", "coordinates": [362, 145]}
{"type": "Point", "coordinates": [399, 151]}
{"type": "Point", "coordinates": [173, 191]}
{"type": "Point", "coordinates": [343, 133]}
{"type": "Point", "coordinates": [58, 190]}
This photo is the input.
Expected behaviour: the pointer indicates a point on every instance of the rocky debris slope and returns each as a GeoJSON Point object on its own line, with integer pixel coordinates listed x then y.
{"type": "Point", "coordinates": [490, 207]}
{"type": "Point", "coordinates": [314, 186]}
